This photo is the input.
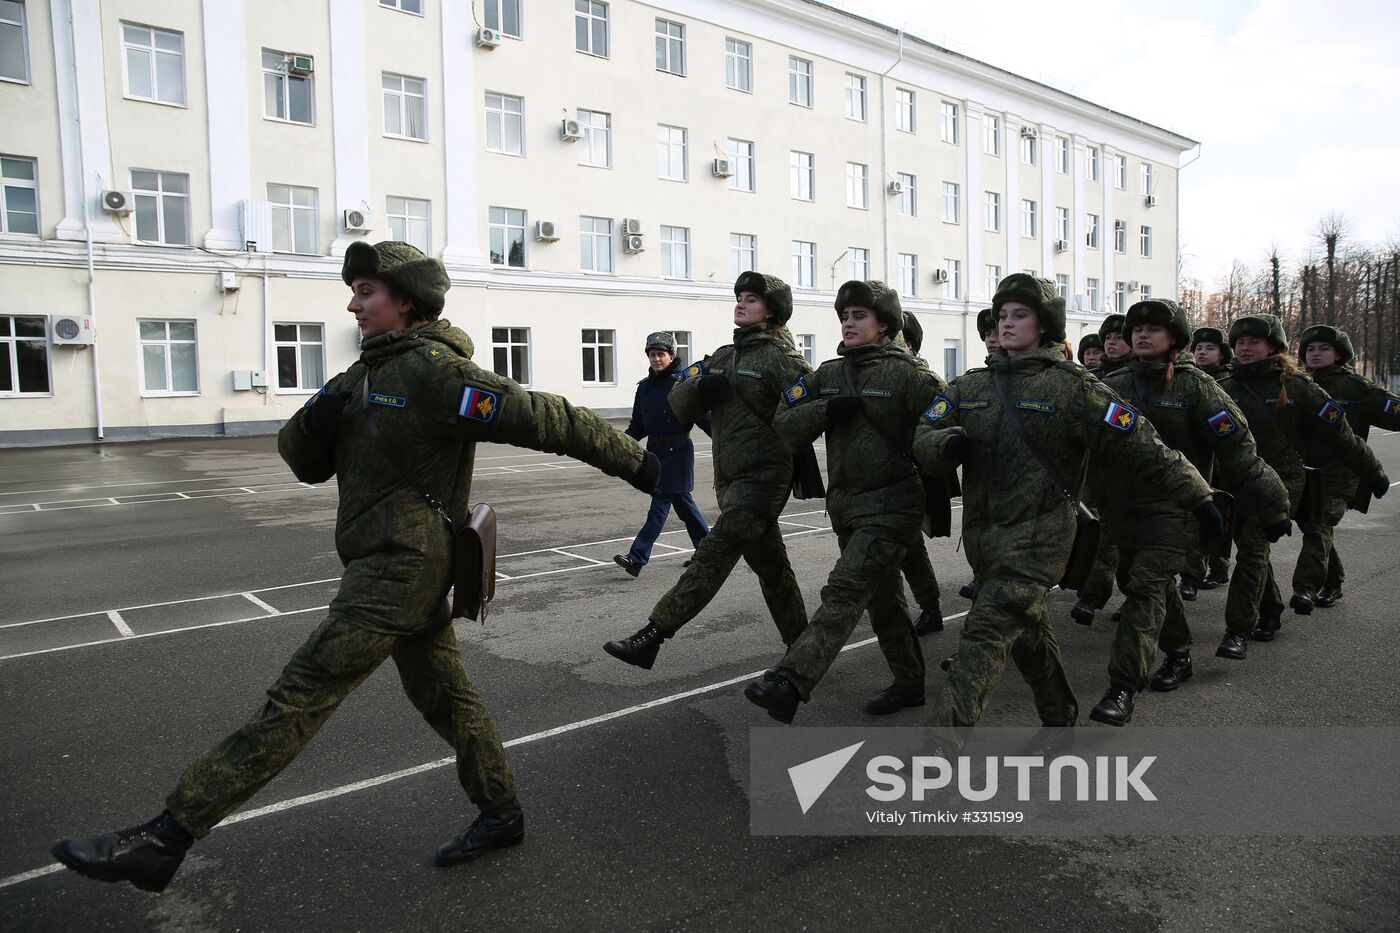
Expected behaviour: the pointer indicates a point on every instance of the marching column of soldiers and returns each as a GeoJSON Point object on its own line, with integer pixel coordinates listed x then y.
{"type": "Point", "coordinates": [1142, 465]}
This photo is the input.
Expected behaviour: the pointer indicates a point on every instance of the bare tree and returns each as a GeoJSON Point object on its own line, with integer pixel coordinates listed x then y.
{"type": "Point", "coordinates": [1330, 231]}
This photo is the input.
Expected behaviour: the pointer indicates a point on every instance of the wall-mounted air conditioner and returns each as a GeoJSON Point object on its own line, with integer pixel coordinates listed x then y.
{"type": "Point", "coordinates": [72, 330]}
{"type": "Point", "coordinates": [544, 230]}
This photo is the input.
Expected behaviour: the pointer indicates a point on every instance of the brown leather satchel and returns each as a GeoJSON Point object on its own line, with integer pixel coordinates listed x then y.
{"type": "Point", "coordinates": [938, 505]}
{"type": "Point", "coordinates": [1310, 506]}
{"type": "Point", "coordinates": [1220, 547]}
{"type": "Point", "coordinates": [807, 475]}
{"type": "Point", "coordinates": [474, 565]}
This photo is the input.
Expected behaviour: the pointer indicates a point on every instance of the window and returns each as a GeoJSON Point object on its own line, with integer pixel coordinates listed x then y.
{"type": "Point", "coordinates": [857, 185]}
{"type": "Point", "coordinates": [1029, 218]}
{"type": "Point", "coordinates": [991, 134]}
{"type": "Point", "coordinates": [407, 6]}
{"type": "Point", "coordinates": [1091, 293]}
{"type": "Point", "coordinates": [993, 205]}
{"type": "Point", "coordinates": [503, 16]}
{"type": "Point", "coordinates": [953, 270]}
{"type": "Point", "coordinates": [908, 275]}
{"type": "Point", "coordinates": [855, 97]}
{"type": "Point", "coordinates": [405, 106]}
{"type": "Point", "coordinates": [904, 119]}
{"type": "Point", "coordinates": [952, 358]}
{"type": "Point", "coordinates": [1091, 231]}
{"type": "Point", "coordinates": [1146, 179]}
{"type": "Point", "coordinates": [1146, 292]}
{"type": "Point", "coordinates": [803, 175]}
{"type": "Point", "coordinates": [505, 123]}
{"type": "Point", "coordinates": [948, 122]}
{"type": "Point", "coordinates": [741, 163]}
{"type": "Point", "coordinates": [510, 353]}
{"type": "Point", "coordinates": [507, 228]}
{"type": "Point", "coordinates": [682, 338]}
{"type": "Point", "coordinates": [1028, 147]}
{"type": "Point", "coordinates": [799, 81]}
{"type": "Point", "coordinates": [1062, 223]}
{"type": "Point", "coordinates": [993, 279]}
{"type": "Point", "coordinates": [168, 358]}
{"type": "Point", "coordinates": [595, 251]}
{"type": "Point", "coordinates": [1120, 172]}
{"type": "Point", "coordinates": [1062, 285]}
{"type": "Point", "coordinates": [598, 357]}
{"type": "Point", "coordinates": [670, 153]}
{"type": "Point", "coordinates": [1120, 297]}
{"type": "Point", "coordinates": [804, 264]}
{"type": "Point", "coordinates": [675, 252]}
{"type": "Point", "coordinates": [155, 64]}
{"type": "Point", "coordinates": [590, 29]}
{"type": "Point", "coordinates": [293, 220]}
{"type": "Point", "coordinates": [301, 356]}
{"type": "Point", "coordinates": [807, 343]}
{"type": "Point", "coordinates": [743, 254]}
{"type": "Point", "coordinates": [409, 222]}
{"type": "Point", "coordinates": [596, 146]}
{"type": "Point", "coordinates": [286, 96]}
{"type": "Point", "coordinates": [908, 200]}
{"type": "Point", "coordinates": [162, 207]}
{"type": "Point", "coordinates": [1120, 236]}
{"type": "Point", "coordinates": [738, 65]}
{"type": "Point", "coordinates": [19, 195]}
{"type": "Point", "coordinates": [1091, 163]}
{"type": "Point", "coordinates": [951, 197]}
{"type": "Point", "coordinates": [14, 64]}
{"type": "Point", "coordinates": [1062, 155]}
{"type": "Point", "coordinates": [670, 47]}
{"type": "Point", "coordinates": [24, 355]}
{"type": "Point", "coordinates": [860, 263]}
{"type": "Point", "coordinates": [1145, 241]}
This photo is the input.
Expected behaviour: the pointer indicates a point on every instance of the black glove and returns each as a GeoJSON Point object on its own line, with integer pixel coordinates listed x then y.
{"type": "Point", "coordinates": [842, 408]}
{"type": "Point", "coordinates": [647, 474]}
{"type": "Point", "coordinates": [958, 448]}
{"type": "Point", "coordinates": [713, 388]}
{"type": "Point", "coordinates": [1274, 532]}
{"type": "Point", "coordinates": [1381, 486]}
{"type": "Point", "coordinates": [1212, 522]}
{"type": "Point", "coordinates": [323, 417]}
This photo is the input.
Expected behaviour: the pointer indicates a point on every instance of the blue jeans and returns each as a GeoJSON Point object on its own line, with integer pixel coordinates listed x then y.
{"type": "Point", "coordinates": [686, 510]}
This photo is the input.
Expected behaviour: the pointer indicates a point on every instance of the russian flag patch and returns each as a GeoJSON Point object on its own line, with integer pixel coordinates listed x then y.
{"type": "Point", "coordinates": [1391, 404]}
{"type": "Point", "coordinates": [1329, 412]}
{"type": "Point", "coordinates": [479, 405]}
{"type": "Point", "coordinates": [1119, 417]}
{"type": "Point", "coordinates": [1222, 424]}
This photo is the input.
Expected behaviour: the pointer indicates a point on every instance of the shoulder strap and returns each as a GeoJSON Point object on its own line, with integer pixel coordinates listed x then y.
{"type": "Point", "coordinates": [1021, 433]}
{"type": "Point", "coordinates": [394, 458]}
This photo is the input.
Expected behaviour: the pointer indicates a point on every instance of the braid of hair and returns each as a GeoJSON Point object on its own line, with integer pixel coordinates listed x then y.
{"type": "Point", "coordinates": [1287, 370]}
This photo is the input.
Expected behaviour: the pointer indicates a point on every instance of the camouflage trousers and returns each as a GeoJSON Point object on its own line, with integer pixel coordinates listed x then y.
{"type": "Point", "coordinates": [918, 570]}
{"type": "Point", "coordinates": [1315, 568]}
{"type": "Point", "coordinates": [737, 533]}
{"type": "Point", "coordinates": [866, 575]}
{"type": "Point", "coordinates": [1147, 577]}
{"type": "Point", "coordinates": [1008, 618]}
{"type": "Point", "coordinates": [1099, 585]}
{"type": "Point", "coordinates": [331, 663]}
{"type": "Point", "coordinates": [1254, 593]}
{"type": "Point", "coordinates": [1199, 565]}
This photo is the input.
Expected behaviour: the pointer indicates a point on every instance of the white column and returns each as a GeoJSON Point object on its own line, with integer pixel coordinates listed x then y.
{"type": "Point", "coordinates": [1109, 253]}
{"type": "Point", "coordinates": [1011, 155]}
{"type": "Point", "coordinates": [350, 115]}
{"type": "Point", "coordinates": [972, 143]}
{"type": "Point", "coordinates": [82, 119]}
{"type": "Point", "coordinates": [226, 76]}
{"type": "Point", "coordinates": [1079, 210]}
{"type": "Point", "coordinates": [1047, 200]}
{"type": "Point", "coordinates": [462, 108]}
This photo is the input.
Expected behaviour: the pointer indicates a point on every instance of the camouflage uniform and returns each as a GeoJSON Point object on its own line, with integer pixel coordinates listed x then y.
{"type": "Point", "coordinates": [918, 569]}
{"type": "Point", "coordinates": [874, 496]}
{"type": "Point", "coordinates": [1017, 525]}
{"type": "Point", "coordinates": [1199, 564]}
{"type": "Point", "coordinates": [431, 404]}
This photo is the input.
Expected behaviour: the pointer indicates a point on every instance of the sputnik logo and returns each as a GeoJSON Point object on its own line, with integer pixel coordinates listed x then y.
{"type": "Point", "coordinates": [811, 778]}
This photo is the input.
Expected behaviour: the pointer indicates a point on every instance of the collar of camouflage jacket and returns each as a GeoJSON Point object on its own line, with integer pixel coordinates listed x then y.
{"type": "Point", "coordinates": [869, 353]}
{"type": "Point", "coordinates": [1269, 368]}
{"type": "Point", "coordinates": [399, 341]}
{"type": "Point", "coordinates": [763, 331]}
{"type": "Point", "coordinates": [1030, 361]}
{"type": "Point", "coordinates": [1154, 370]}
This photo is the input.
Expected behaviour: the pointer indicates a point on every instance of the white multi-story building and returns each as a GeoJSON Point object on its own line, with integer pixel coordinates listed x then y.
{"type": "Point", "coordinates": [180, 180]}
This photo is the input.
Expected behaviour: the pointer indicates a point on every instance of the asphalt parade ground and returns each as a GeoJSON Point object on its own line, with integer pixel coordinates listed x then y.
{"type": "Point", "coordinates": [152, 591]}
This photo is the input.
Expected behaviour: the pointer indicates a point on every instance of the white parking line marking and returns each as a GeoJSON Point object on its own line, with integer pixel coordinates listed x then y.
{"type": "Point", "coordinates": [272, 611]}
{"type": "Point", "coordinates": [120, 624]}
{"type": "Point", "coordinates": [331, 793]}
{"type": "Point", "coordinates": [559, 550]}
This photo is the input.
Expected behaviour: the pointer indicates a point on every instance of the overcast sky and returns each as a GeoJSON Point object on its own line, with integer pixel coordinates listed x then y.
{"type": "Point", "coordinates": [1297, 103]}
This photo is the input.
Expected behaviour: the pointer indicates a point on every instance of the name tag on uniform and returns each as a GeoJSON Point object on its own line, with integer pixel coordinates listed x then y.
{"type": "Point", "coordinates": [974, 403]}
{"type": "Point", "coordinates": [392, 401]}
{"type": "Point", "coordinates": [751, 373]}
{"type": "Point", "coordinates": [479, 405]}
{"type": "Point", "coordinates": [829, 390]}
{"type": "Point", "coordinates": [1047, 408]}
{"type": "Point", "coordinates": [1164, 403]}
{"type": "Point", "coordinates": [876, 393]}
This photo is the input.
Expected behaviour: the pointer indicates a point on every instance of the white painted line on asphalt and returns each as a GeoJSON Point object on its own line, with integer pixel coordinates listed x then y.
{"type": "Point", "coordinates": [120, 624]}
{"type": "Point", "coordinates": [153, 482]}
{"type": "Point", "coordinates": [559, 550]}
{"type": "Point", "coordinates": [272, 611]}
{"type": "Point", "coordinates": [331, 793]}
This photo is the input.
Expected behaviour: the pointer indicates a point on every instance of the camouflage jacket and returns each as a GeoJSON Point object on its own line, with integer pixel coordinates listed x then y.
{"type": "Point", "coordinates": [1195, 416]}
{"type": "Point", "coordinates": [753, 467]}
{"type": "Point", "coordinates": [1016, 521]}
{"type": "Point", "coordinates": [1365, 404]}
{"type": "Point", "coordinates": [871, 476]}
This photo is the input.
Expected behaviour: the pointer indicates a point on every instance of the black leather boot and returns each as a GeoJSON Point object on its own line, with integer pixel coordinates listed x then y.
{"type": "Point", "coordinates": [146, 855]}
{"type": "Point", "coordinates": [929, 621]}
{"type": "Point", "coordinates": [1266, 628]}
{"type": "Point", "coordinates": [639, 650]}
{"type": "Point", "coordinates": [775, 693]}
{"type": "Point", "coordinates": [627, 564]}
{"type": "Point", "coordinates": [1212, 581]}
{"type": "Point", "coordinates": [1175, 670]}
{"type": "Point", "coordinates": [1327, 597]}
{"type": "Point", "coordinates": [894, 698]}
{"type": "Point", "coordinates": [1082, 612]}
{"type": "Point", "coordinates": [1116, 707]}
{"type": "Point", "coordinates": [1301, 603]}
{"type": "Point", "coordinates": [1187, 589]}
{"type": "Point", "coordinates": [487, 832]}
{"type": "Point", "coordinates": [1233, 647]}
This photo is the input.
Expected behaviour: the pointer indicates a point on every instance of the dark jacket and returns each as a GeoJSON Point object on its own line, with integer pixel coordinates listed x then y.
{"type": "Point", "coordinates": [667, 436]}
{"type": "Point", "coordinates": [1365, 404]}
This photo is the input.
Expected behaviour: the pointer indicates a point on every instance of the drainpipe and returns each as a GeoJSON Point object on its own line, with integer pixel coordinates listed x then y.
{"type": "Point", "coordinates": [87, 229]}
{"type": "Point", "coordinates": [266, 332]}
{"type": "Point", "coordinates": [884, 159]}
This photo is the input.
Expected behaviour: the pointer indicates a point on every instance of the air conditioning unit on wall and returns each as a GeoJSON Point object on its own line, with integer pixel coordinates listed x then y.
{"type": "Point", "coordinates": [895, 188]}
{"type": "Point", "coordinates": [631, 226]}
{"type": "Point", "coordinates": [570, 131]}
{"type": "Point", "coordinates": [633, 243]}
{"type": "Point", "coordinates": [117, 202]}
{"type": "Point", "coordinates": [544, 230]}
{"type": "Point", "coordinates": [356, 221]}
{"type": "Point", "coordinates": [1061, 246]}
{"type": "Point", "coordinates": [72, 330]}
{"type": "Point", "coordinates": [940, 276]}
{"type": "Point", "coordinates": [721, 168]}
{"type": "Point", "coordinates": [488, 38]}
{"type": "Point", "coordinates": [1030, 132]}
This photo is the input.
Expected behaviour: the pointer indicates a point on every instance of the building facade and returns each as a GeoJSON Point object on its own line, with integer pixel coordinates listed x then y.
{"type": "Point", "coordinates": [180, 180]}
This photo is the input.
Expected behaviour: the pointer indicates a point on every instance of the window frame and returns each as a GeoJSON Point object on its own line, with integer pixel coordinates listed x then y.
{"type": "Point", "coordinates": [991, 133]}
{"type": "Point", "coordinates": [1120, 297]}
{"type": "Point", "coordinates": [1120, 171]}
{"type": "Point", "coordinates": [160, 195]}
{"type": "Point", "coordinates": [804, 264]}
{"type": "Point", "coordinates": [23, 26]}
{"type": "Point", "coordinates": [738, 248]}
{"type": "Point", "coordinates": [669, 242]}
{"type": "Point", "coordinates": [858, 186]}
{"type": "Point", "coordinates": [907, 273]}
{"type": "Point", "coordinates": [953, 268]}
{"type": "Point", "coordinates": [1062, 284]}
{"type": "Point", "coordinates": [807, 346]}
{"type": "Point", "coordinates": [666, 41]}
{"type": "Point", "coordinates": [1030, 210]}
{"type": "Point", "coordinates": [1145, 241]}
{"type": "Point", "coordinates": [1062, 155]}
{"type": "Point", "coordinates": [670, 145]}
{"type": "Point", "coordinates": [604, 355]}
{"type": "Point", "coordinates": [589, 137]}
{"type": "Point", "coordinates": [600, 240]}
{"type": "Point", "coordinates": [499, 7]}
{"type": "Point", "coordinates": [505, 226]}
{"type": "Point", "coordinates": [857, 92]}
{"type": "Point", "coordinates": [993, 275]}
{"type": "Point", "coordinates": [1030, 153]}
{"type": "Point", "coordinates": [30, 184]}
{"type": "Point", "coordinates": [286, 78]}
{"type": "Point", "coordinates": [949, 116]}
{"type": "Point", "coordinates": [1092, 159]}
{"type": "Point", "coordinates": [292, 208]}
{"type": "Point", "coordinates": [991, 201]}
{"type": "Point", "coordinates": [860, 256]}
{"type": "Point", "coordinates": [303, 386]}
{"type": "Point", "coordinates": [9, 348]}
{"type": "Point", "coordinates": [740, 63]}
{"type": "Point", "coordinates": [907, 202]}
{"type": "Point", "coordinates": [798, 174]}
{"type": "Point", "coordinates": [1146, 179]}
{"type": "Point", "coordinates": [741, 152]}
{"type": "Point", "coordinates": [408, 220]}
{"type": "Point", "coordinates": [152, 71]}
{"type": "Point", "coordinates": [1120, 236]}
{"type": "Point", "coordinates": [404, 94]}
{"type": "Point", "coordinates": [909, 106]}
{"type": "Point", "coordinates": [1091, 292]}
{"type": "Point", "coordinates": [508, 345]}
{"type": "Point", "coordinates": [1092, 223]}
{"type": "Point", "coordinates": [142, 343]}
{"type": "Point", "coordinates": [798, 81]}
{"type": "Point", "coordinates": [504, 116]}
{"type": "Point", "coordinates": [1062, 225]}
{"type": "Point", "coordinates": [590, 20]}
{"type": "Point", "coordinates": [952, 190]}
{"type": "Point", "coordinates": [397, 5]}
